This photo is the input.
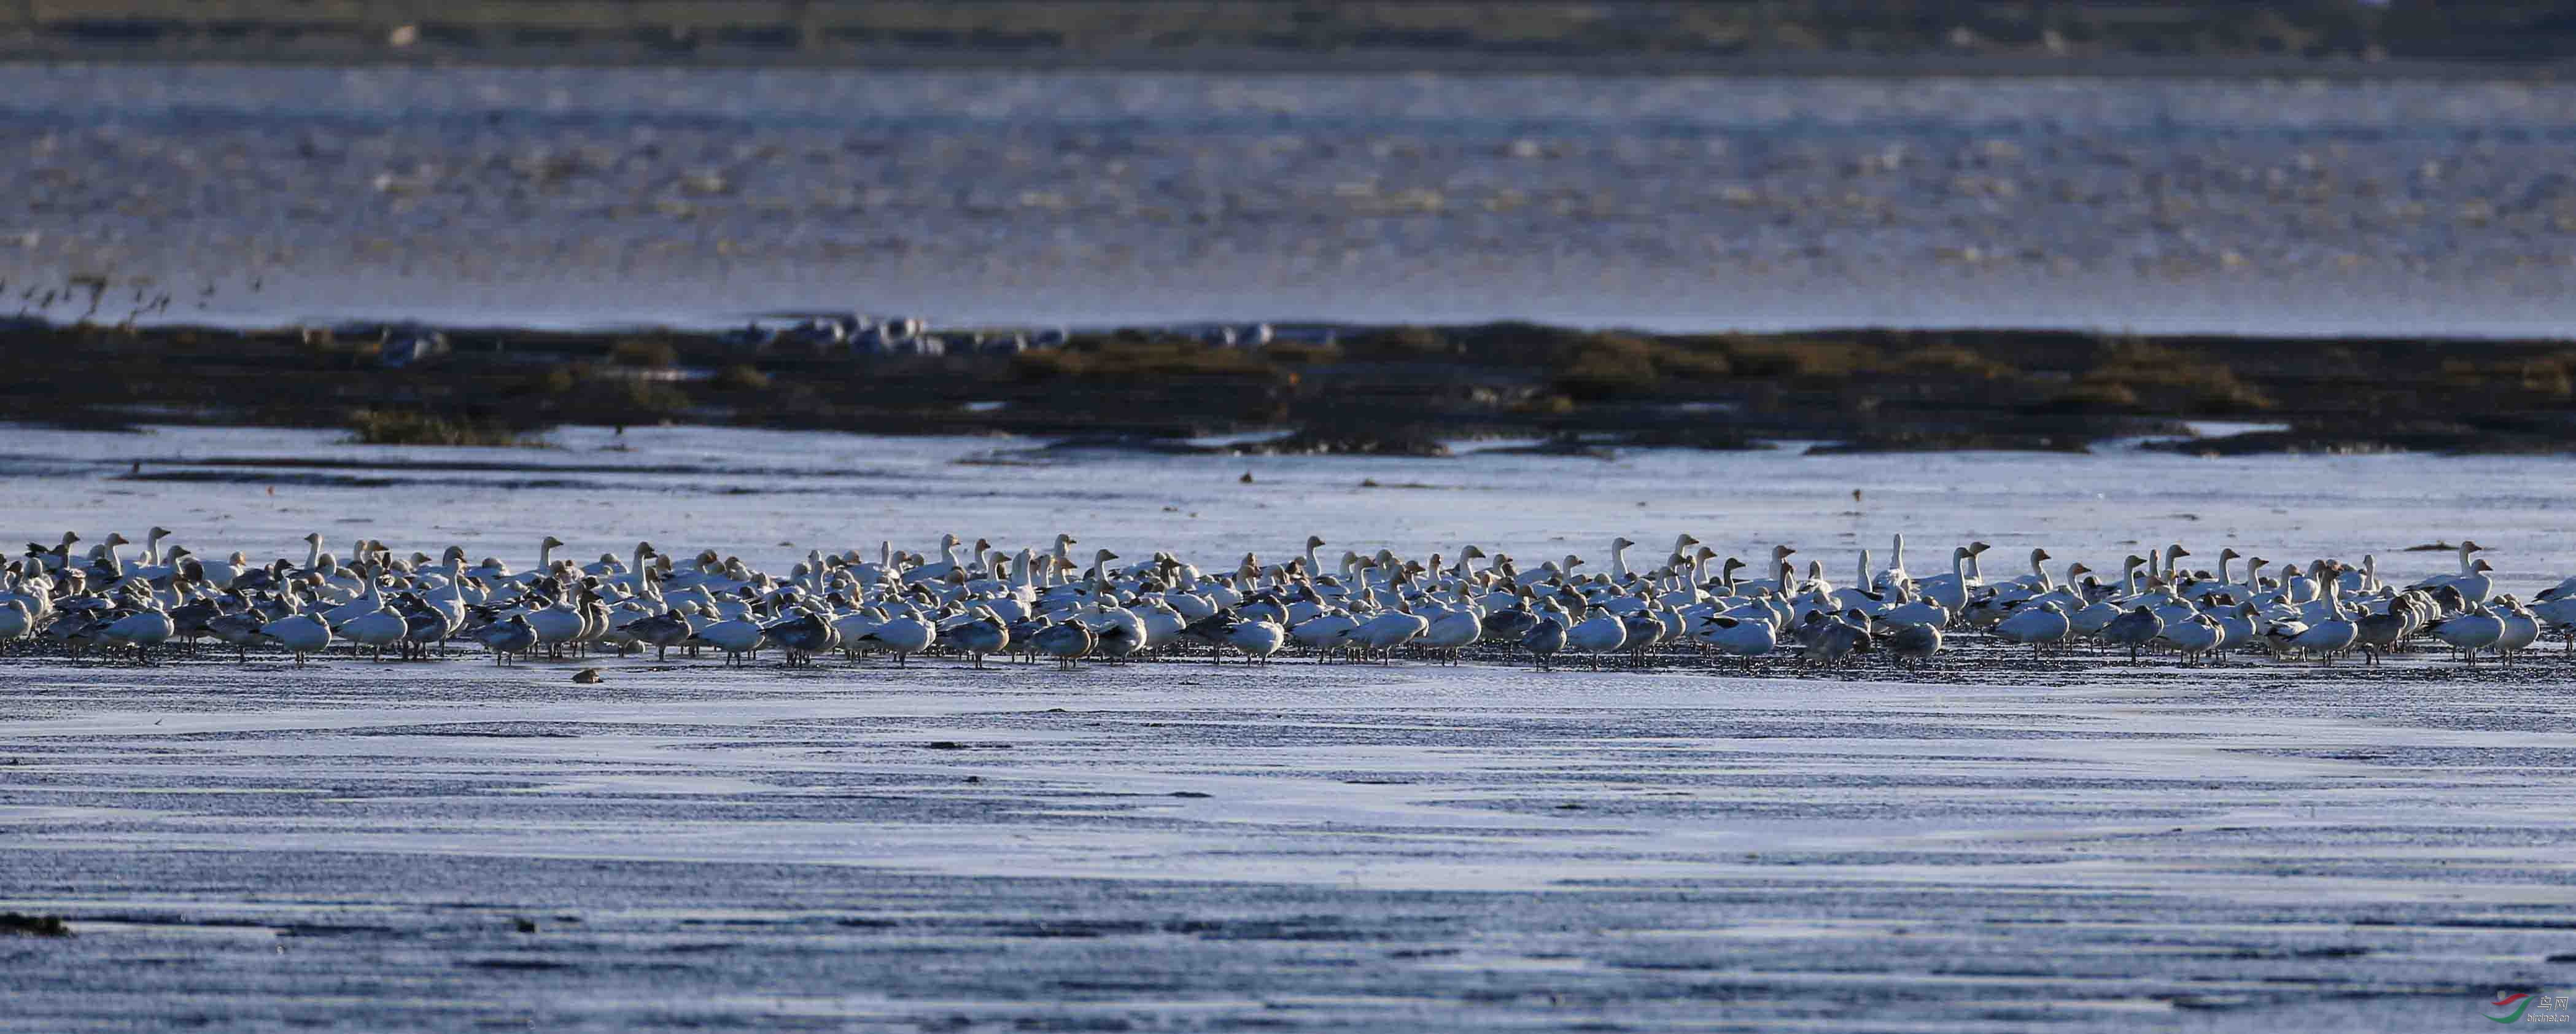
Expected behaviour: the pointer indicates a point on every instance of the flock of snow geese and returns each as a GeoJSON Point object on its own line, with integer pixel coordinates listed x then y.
{"type": "Point", "coordinates": [976, 601]}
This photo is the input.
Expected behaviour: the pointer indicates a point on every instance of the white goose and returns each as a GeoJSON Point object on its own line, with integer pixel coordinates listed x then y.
{"type": "Point", "coordinates": [1454, 628]}
{"type": "Point", "coordinates": [301, 635]}
{"type": "Point", "coordinates": [1737, 637]}
{"type": "Point", "coordinates": [1951, 590]}
{"type": "Point", "coordinates": [378, 629]}
{"type": "Point", "coordinates": [2466, 550]}
{"type": "Point", "coordinates": [16, 621]}
{"type": "Point", "coordinates": [903, 636]}
{"type": "Point", "coordinates": [1389, 630]}
{"type": "Point", "coordinates": [2479, 629]}
{"type": "Point", "coordinates": [2520, 628]}
{"type": "Point", "coordinates": [1603, 633]}
{"type": "Point", "coordinates": [736, 637]}
{"type": "Point", "coordinates": [2034, 626]}
{"type": "Point", "coordinates": [557, 624]}
{"type": "Point", "coordinates": [1894, 574]}
{"type": "Point", "coordinates": [142, 630]}
{"type": "Point", "coordinates": [2478, 585]}
{"type": "Point", "coordinates": [1256, 640]}
{"type": "Point", "coordinates": [2335, 632]}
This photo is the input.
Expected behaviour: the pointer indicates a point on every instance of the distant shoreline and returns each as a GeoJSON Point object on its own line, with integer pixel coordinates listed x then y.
{"type": "Point", "coordinates": [1259, 62]}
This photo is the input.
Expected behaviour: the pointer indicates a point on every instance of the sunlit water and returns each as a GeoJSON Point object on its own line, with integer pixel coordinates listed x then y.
{"type": "Point", "coordinates": [574, 196]}
{"type": "Point", "coordinates": [770, 496]}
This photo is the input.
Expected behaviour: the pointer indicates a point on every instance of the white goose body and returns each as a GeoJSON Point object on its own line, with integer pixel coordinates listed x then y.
{"type": "Point", "coordinates": [1256, 640]}
{"type": "Point", "coordinates": [379, 629]}
{"type": "Point", "coordinates": [736, 637]}
{"type": "Point", "coordinates": [1738, 637]}
{"type": "Point", "coordinates": [16, 621]}
{"type": "Point", "coordinates": [141, 630]}
{"type": "Point", "coordinates": [2332, 633]}
{"type": "Point", "coordinates": [2035, 626]}
{"type": "Point", "coordinates": [1389, 630]}
{"type": "Point", "coordinates": [903, 636]}
{"type": "Point", "coordinates": [301, 635]}
{"type": "Point", "coordinates": [1596, 636]}
{"type": "Point", "coordinates": [2519, 628]}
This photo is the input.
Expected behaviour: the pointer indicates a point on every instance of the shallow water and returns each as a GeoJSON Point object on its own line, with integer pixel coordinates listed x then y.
{"type": "Point", "coordinates": [770, 496]}
{"type": "Point", "coordinates": [577, 196]}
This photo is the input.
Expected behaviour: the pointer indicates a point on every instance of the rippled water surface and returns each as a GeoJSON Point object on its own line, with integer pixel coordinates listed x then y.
{"type": "Point", "coordinates": [590, 195]}
{"type": "Point", "coordinates": [771, 496]}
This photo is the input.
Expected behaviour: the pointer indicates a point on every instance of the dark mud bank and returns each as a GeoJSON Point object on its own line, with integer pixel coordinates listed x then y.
{"type": "Point", "coordinates": [1334, 390]}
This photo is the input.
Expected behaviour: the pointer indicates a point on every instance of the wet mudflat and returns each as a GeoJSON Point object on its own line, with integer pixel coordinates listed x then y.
{"type": "Point", "coordinates": [1995, 845]}
{"type": "Point", "coordinates": [2000, 844]}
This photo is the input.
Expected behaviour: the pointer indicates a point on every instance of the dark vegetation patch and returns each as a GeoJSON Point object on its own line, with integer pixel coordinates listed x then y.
{"type": "Point", "coordinates": [2334, 34]}
{"type": "Point", "coordinates": [33, 926]}
{"type": "Point", "coordinates": [406, 427]}
{"type": "Point", "coordinates": [1368, 391]}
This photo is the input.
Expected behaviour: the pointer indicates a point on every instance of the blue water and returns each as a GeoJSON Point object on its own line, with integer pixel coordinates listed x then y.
{"type": "Point", "coordinates": [586, 196]}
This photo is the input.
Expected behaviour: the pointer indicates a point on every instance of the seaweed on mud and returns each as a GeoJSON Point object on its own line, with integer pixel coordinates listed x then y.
{"type": "Point", "coordinates": [411, 427]}
{"type": "Point", "coordinates": [33, 925]}
{"type": "Point", "coordinates": [1409, 386]}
